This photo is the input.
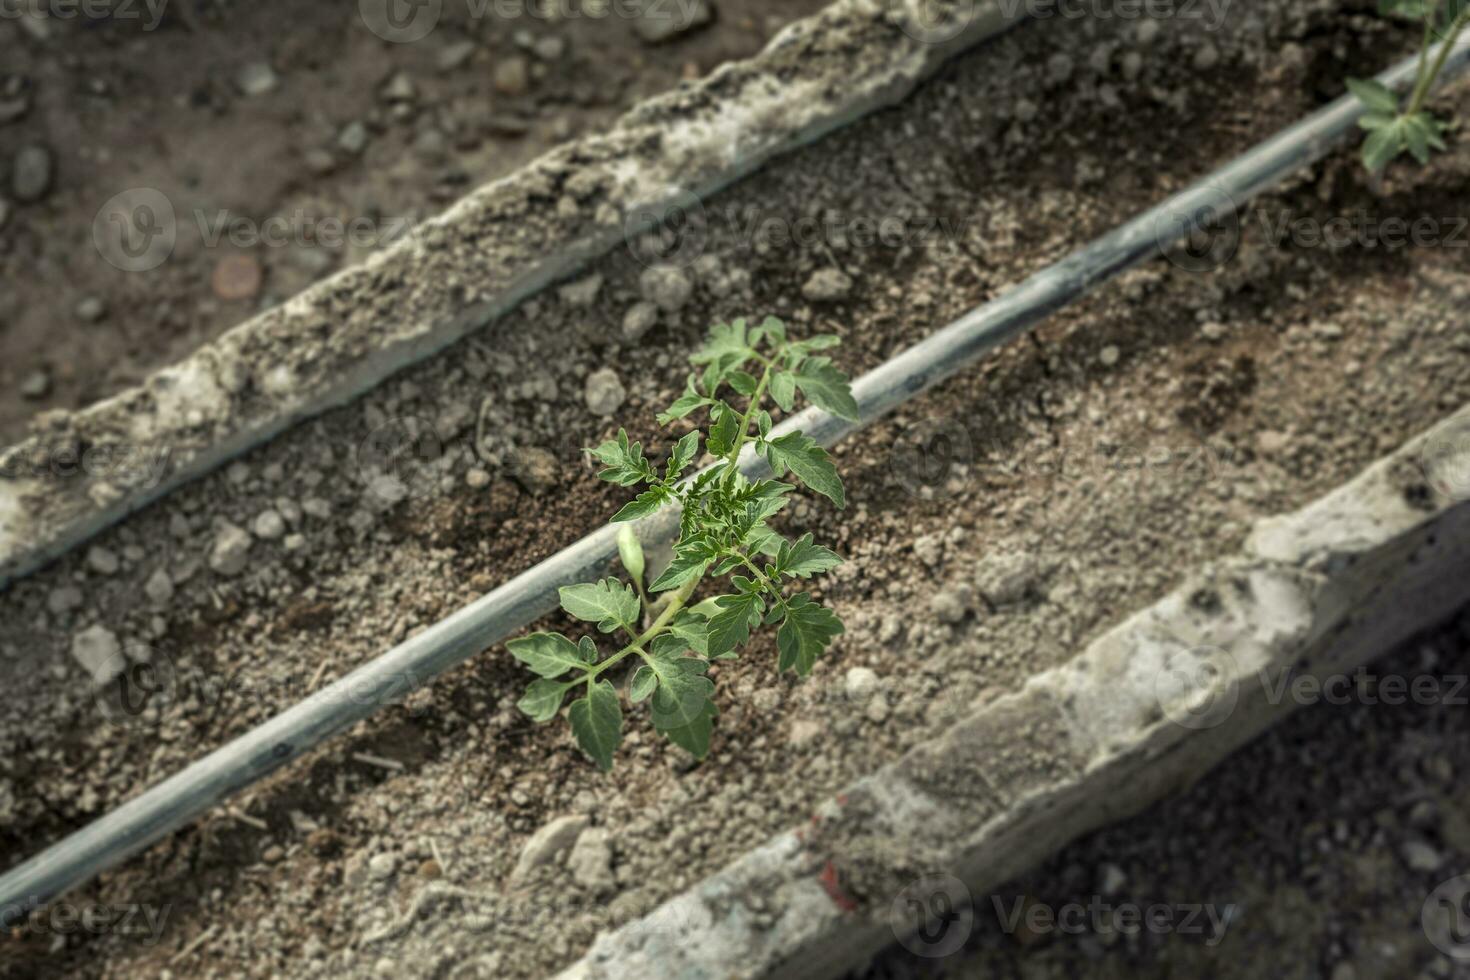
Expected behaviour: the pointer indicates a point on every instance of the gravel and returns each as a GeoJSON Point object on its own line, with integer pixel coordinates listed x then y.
{"type": "Point", "coordinates": [547, 843]}
{"type": "Point", "coordinates": [231, 550]}
{"type": "Point", "coordinates": [666, 286]}
{"type": "Point", "coordinates": [640, 318]}
{"type": "Point", "coordinates": [605, 392]}
{"type": "Point", "coordinates": [256, 79]}
{"type": "Point", "coordinates": [33, 173]}
{"type": "Point", "coordinates": [827, 285]}
{"type": "Point", "coordinates": [100, 654]}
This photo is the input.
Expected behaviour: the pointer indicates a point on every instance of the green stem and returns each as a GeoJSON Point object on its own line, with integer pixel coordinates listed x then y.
{"type": "Point", "coordinates": [1421, 91]}
{"type": "Point", "coordinates": [750, 410]}
{"type": "Point", "coordinates": [761, 577]}
{"type": "Point", "coordinates": [681, 596]}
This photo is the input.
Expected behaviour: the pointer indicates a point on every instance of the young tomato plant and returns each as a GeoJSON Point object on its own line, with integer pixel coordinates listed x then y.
{"type": "Point", "coordinates": [723, 533]}
{"type": "Point", "coordinates": [1394, 129]}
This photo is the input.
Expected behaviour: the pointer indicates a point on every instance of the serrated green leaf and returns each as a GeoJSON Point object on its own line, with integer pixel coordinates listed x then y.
{"type": "Point", "coordinates": [809, 629]}
{"type": "Point", "coordinates": [724, 432]}
{"type": "Point", "coordinates": [642, 505]}
{"type": "Point", "coordinates": [771, 329]}
{"type": "Point", "coordinates": [597, 723]}
{"type": "Point", "coordinates": [827, 387]}
{"type": "Point", "coordinates": [783, 390]}
{"type": "Point", "coordinates": [547, 654]}
{"type": "Point", "coordinates": [730, 627]}
{"type": "Point", "coordinates": [608, 603]}
{"type": "Point", "coordinates": [692, 629]}
{"type": "Point", "coordinates": [1374, 94]}
{"type": "Point", "coordinates": [623, 461]}
{"type": "Point", "coordinates": [630, 553]}
{"type": "Point", "coordinates": [683, 691]}
{"type": "Point", "coordinates": [743, 383]}
{"type": "Point", "coordinates": [695, 738]}
{"type": "Point", "coordinates": [644, 682]}
{"type": "Point", "coordinates": [690, 561]}
{"type": "Point", "coordinates": [684, 452]}
{"type": "Point", "coordinates": [543, 699]}
{"type": "Point", "coordinates": [804, 558]}
{"type": "Point", "coordinates": [763, 423]}
{"type": "Point", "coordinates": [802, 456]}
{"type": "Point", "coordinates": [762, 540]}
{"type": "Point", "coordinates": [686, 403]}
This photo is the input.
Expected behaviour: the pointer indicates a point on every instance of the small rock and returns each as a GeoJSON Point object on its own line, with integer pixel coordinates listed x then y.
{"type": "Point", "coordinates": [666, 286]}
{"type": "Point", "coordinates": [1108, 356]}
{"type": "Point", "coordinates": [583, 293]}
{"type": "Point", "coordinates": [860, 684]}
{"type": "Point", "coordinates": [99, 653]}
{"type": "Point", "coordinates": [91, 309]}
{"type": "Point", "coordinates": [1111, 880]}
{"type": "Point", "coordinates": [661, 23]}
{"type": "Point", "coordinates": [536, 469]}
{"type": "Point", "coordinates": [550, 48]}
{"type": "Point", "coordinates": [37, 384]}
{"type": "Point", "coordinates": [547, 844]}
{"type": "Point", "coordinates": [1132, 66]}
{"type": "Point", "coordinates": [257, 78]}
{"type": "Point", "coordinates": [512, 76]}
{"type": "Point", "coordinates": [382, 866]}
{"type": "Point", "coordinates": [1059, 68]}
{"type": "Point", "coordinates": [400, 88]}
{"type": "Point", "coordinates": [947, 606]}
{"type": "Point", "coordinates": [1026, 110]}
{"type": "Point", "coordinates": [1271, 442]}
{"type": "Point", "coordinates": [1147, 30]}
{"type": "Point", "coordinates": [159, 588]}
{"type": "Point", "coordinates": [605, 392]}
{"type": "Point", "coordinates": [102, 561]}
{"type": "Point", "coordinates": [455, 55]}
{"type": "Point", "coordinates": [272, 854]}
{"type": "Point", "coordinates": [1419, 856]}
{"type": "Point", "coordinates": [1207, 57]}
{"type": "Point", "coordinates": [477, 479]}
{"type": "Point", "coordinates": [236, 277]}
{"type": "Point", "coordinates": [31, 177]}
{"type": "Point", "coordinates": [353, 138]}
{"type": "Point", "coordinates": [591, 861]}
{"type": "Point", "coordinates": [231, 551]}
{"type": "Point", "coordinates": [804, 731]}
{"type": "Point", "coordinates": [269, 525]}
{"type": "Point", "coordinates": [1213, 331]}
{"type": "Point", "coordinates": [640, 318]}
{"type": "Point", "coordinates": [320, 161]}
{"type": "Point", "coordinates": [64, 599]}
{"type": "Point", "coordinates": [1006, 578]}
{"type": "Point", "coordinates": [827, 285]}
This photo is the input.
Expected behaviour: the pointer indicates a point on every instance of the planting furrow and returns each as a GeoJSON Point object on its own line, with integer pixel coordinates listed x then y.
{"type": "Point", "coordinates": [997, 523]}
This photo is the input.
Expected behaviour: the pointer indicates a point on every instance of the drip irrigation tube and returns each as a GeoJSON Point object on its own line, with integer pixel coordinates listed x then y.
{"type": "Point", "coordinates": [176, 801]}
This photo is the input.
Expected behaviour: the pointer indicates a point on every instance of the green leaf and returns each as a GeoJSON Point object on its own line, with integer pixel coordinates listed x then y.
{"type": "Point", "coordinates": [727, 350]}
{"type": "Point", "coordinates": [809, 629]}
{"type": "Point", "coordinates": [690, 561]}
{"type": "Point", "coordinates": [642, 505]}
{"type": "Point", "coordinates": [692, 629]}
{"type": "Point", "coordinates": [802, 456]}
{"type": "Point", "coordinates": [730, 627]}
{"type": "Point", "coordinates": [1416, 138]}
{"type": "Point", "coordinates": [543, 699]}
{"type": "Point", "coordinates": [1375, 120]}
{"type": "Point", "coordinates": [623, 460]}
{"type": "Point", "coordinates": [783, 390]}
{"type": "Point", "coordinates": [548, 654]}
{"type": "Point", "coordinates": [630, 552]}
{"type": "Point", "coordinates": [597, 723]}
{"type": "Point", "coordinates": [1381, 146]}
{"type": "Point", "coordinates": [804, 558]}
{"type": "Point", "coordinates": [771, 329]}
{"type": "Point", "coordinates": [609, 603]}
{"type": "Point", "coordinates": [687, 402]}
{"type": "Point", "coordinates": [827, 387]}
{"type": "Point", "coordinates": [695, 738]}
{"type": "Point", "coordinates": [684, 452]}
{"type": "Point", "coordinates": [683, 690]}
{"type": "Point", "coordinates": [644, 682]}
{"type": "Point", "coordinates": [724, 432]}
{"type": "Point", "coordinates": [1374, 94]}
{"type": "Point", "coordinates": [743, 383]}
{"type": "Point", "coordinates": [763, 540]}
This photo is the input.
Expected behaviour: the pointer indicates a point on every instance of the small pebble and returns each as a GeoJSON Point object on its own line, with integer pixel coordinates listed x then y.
{"type": "Point", "coordinates": [257, 78]}
{"type": "Point", "coordinates": [512, 76]}
{"type": "Point", "coordinates": [231, 551]}
{"type": "Point", "coordinates": [236, 277]}
{"type": "Point", "coordinates": [37, 384]}
{"type": "Point", "coordinates": [1108, 356]}
{"type": "Point", "coordinates": [102, 561]}
{"type": "Point", "coordinates": [91, 309]}
{"type": "Point", "coordinates": [605, 392]}
{"type": "Point", "coordinates": [269, 525]}
{"type": "Point", "coordinates": [666, 286]}
{"type": "Point", "coordinates": [860, 683]}
{"type": "Point", "coordinates": [827, 285]}
{"type": "Point", "coordinates": [98, 651]}
{"type": "Point", "coordinates": [159, 588]}
{"type": "Point", "coordinates": [32, 174]}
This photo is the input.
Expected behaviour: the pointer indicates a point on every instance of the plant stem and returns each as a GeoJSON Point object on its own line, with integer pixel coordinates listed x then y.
{"type": "Point", "coordinates": [750, 410]}
{"type": "Point", "coordinates": [681, 596]}
{"type": "Point", "coordinates": [1421, 90]}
